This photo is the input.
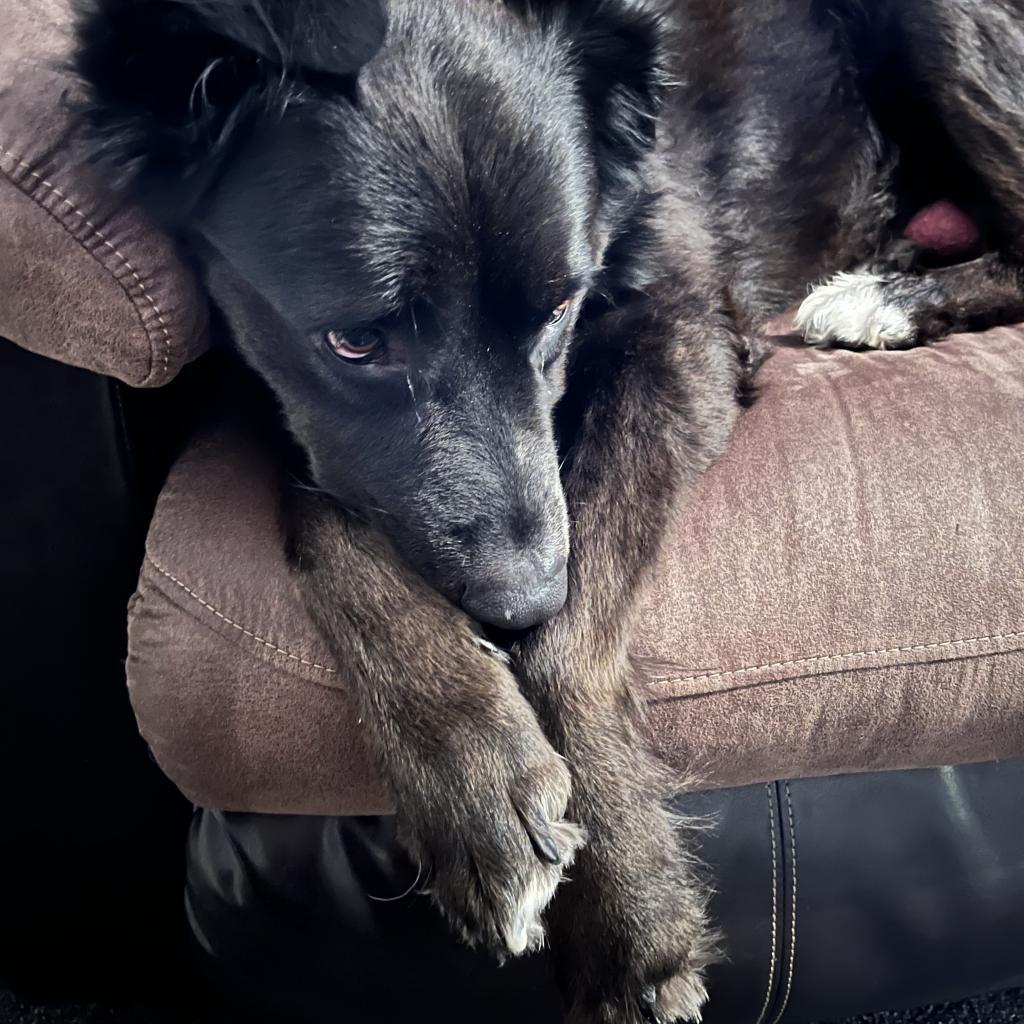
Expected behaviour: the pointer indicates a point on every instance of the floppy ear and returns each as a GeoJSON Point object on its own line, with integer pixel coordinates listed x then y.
{"type": "Point", "coordinates": [619, 49]}
{"type": "Point", "coordinates": [171, 84]}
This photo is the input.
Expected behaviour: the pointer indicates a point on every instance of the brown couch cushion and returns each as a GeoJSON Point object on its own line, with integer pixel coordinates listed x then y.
{"type": "Point", "coordinates": [84, 278]}
{"type": "Point", "coordinates": [846, 592]}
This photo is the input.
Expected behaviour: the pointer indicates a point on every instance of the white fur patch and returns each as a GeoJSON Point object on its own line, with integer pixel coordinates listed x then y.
{"type": "Point", "coordinates": [851, 308]}
{"type": "Point", "coordinates": [524, 932]}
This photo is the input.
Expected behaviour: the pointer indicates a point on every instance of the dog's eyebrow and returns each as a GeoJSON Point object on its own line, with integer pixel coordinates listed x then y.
{"type": "Point", "coordinates": [317, 313]}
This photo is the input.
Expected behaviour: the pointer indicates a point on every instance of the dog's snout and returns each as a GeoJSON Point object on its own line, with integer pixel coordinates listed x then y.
{"type": "Point", "coordinates": [526, 593]}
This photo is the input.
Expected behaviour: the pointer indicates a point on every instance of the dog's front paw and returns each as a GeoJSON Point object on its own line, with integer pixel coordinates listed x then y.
{"type": "Point", "coordinates": [664, 936]}
{"type": "Point", "coordinates": [635, 931]}
{"type": "Point", "coordinates": [487, 826]}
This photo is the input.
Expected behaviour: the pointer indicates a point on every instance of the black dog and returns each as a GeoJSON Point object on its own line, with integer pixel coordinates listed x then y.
{"type": "Point", "coordinates": [503, 264]}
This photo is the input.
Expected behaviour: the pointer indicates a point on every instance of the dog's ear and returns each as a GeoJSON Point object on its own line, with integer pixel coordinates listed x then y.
{"type": "Point", "coordinates": [619, 51]}
{"type": "Point", "coordinates": [170, 84]}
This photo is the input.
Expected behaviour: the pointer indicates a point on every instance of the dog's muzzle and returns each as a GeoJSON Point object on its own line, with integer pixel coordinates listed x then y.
{"type": "Point", "coordinates": [526, 594]}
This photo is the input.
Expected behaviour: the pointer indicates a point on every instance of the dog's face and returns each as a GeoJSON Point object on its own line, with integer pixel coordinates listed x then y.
{"type": "Point", "coordinates": [400, 232]}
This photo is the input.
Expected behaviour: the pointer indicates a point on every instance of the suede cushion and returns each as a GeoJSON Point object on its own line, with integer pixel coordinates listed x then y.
{"type": "Point", "coordinates": [845, 592]}
{"type": "Point", "coordinates": [84, 278]}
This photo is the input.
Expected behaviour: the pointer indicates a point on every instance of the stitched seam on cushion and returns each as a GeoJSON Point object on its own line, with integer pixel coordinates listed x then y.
{"type": "Point", "coordinates": [770, 791]}
{"type": "Point", "coordinates": [831, 673]}
{"type": "Point", "coordinates": [51, 189]}
{"type": "Point", "coordinates": [792, 934]}
{"type": "Point", "coordinates": [818, 659]}
{"type": "Point", "coordinates": [262, 641]}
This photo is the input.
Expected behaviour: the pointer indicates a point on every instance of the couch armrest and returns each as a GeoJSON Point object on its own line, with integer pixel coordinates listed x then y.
{"type": "Point", "coordinates": [843, 593]}
{"type": "Point", "coordinates": [84, 277]}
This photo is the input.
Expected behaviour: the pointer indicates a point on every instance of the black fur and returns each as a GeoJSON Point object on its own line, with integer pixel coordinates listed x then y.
{"type": "Point", "coordinates": [663, 177]}
{"type": "Point", "coordinates": [448, 195]}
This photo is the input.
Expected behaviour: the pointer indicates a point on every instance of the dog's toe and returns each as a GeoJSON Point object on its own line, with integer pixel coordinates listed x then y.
{"type": "Point", "coordinates": [522, 907]}
{"type": "Point", "coordinates": [681, 998]}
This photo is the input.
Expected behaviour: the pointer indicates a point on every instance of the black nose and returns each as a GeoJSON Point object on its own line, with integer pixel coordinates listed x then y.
{"type": "Point", "coordinates": [523, 595]}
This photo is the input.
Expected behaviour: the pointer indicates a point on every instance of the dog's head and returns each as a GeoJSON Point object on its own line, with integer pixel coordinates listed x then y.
{"type": "Point", "coordinates": [400, 211]}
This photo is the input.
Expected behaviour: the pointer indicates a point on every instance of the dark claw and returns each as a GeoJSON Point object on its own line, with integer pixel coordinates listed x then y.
{"type": "Point", "coordinates": [540, 837]}
{"type": "Point", "coordinates": [648, 998]}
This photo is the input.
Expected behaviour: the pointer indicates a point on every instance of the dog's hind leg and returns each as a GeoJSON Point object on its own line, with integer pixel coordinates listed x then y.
{"type": "Point", "coordinates": [968, 60]}
{"type": "Point", "coordinates": [481, 794]}
{"type": "Point", "coordinates": [873, 308]}
{"type": "Point", "coordinates": [651, 402]}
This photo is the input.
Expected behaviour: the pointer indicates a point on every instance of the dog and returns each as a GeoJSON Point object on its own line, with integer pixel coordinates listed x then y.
{"type": "Point", "coordinates": [504, 266]}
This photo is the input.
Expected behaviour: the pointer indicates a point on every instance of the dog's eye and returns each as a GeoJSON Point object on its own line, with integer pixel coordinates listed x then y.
{"type": "Point", "coordinates": [357, 346]}
{"type": "Point", "coordinates": [558, 312]}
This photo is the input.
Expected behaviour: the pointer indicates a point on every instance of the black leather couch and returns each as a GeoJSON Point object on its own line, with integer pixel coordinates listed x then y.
{"type": "Point", "coordinates": [836, 896]}
{"type": "Point", "coordinates": [91, 840]}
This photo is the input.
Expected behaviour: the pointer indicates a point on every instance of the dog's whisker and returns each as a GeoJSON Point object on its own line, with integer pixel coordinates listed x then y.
{"type": "Point", "coordinates": [424, 890]}
{"type": "Point", "coordinates": [200, 87]}
{"type": "Point", "coordinates": [400, 896]}
{"type": "Point", "coordinates": [412, 392]}
{"type": "Point", "coordinates": [408, 376]}
{"type": "Point", "coordinates": [311, 488]}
